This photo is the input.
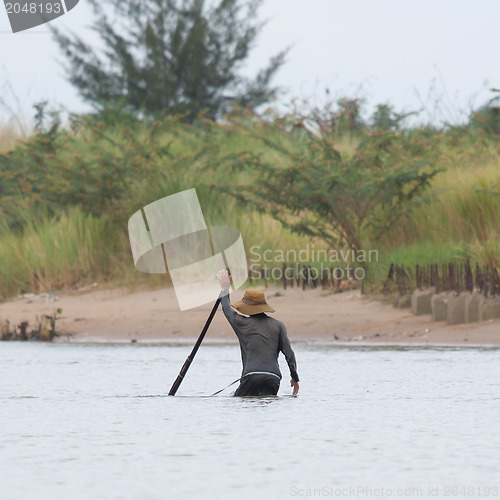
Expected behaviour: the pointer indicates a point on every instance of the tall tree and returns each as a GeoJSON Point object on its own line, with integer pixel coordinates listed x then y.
{"type": "Point", "coordinates": [351, 199]}
{"type": "Point", "coordinates": [170, 57]}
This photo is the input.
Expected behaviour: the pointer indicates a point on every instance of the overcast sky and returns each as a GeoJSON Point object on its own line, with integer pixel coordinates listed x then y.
{"type": "Point", "coordinates": [398, 51]}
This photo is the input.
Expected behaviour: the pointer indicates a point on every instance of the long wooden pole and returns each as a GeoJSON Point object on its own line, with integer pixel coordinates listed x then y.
{"type": "Point", "coordinates": [189, 360]}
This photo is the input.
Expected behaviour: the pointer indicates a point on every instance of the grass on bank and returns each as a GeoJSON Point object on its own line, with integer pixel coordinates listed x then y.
{"type": "Point", "coordinates": [9, 137]}
{"type": "Point", "coordinates": [84, 239]}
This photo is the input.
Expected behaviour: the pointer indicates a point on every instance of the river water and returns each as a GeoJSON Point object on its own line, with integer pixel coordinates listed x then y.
{"type": "Point", "coordinates": [93, 421]}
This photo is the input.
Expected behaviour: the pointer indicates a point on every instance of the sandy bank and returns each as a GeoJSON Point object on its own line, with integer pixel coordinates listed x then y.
{"type": "Point", "coordinates": [310, 316]}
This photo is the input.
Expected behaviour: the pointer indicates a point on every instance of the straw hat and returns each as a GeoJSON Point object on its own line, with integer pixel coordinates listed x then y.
{"type": "Point", "coordinates": [253, 302]}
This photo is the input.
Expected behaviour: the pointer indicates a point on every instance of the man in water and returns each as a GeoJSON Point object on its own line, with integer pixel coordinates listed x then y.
{"type": "Point", "coordinates": [261, 340]}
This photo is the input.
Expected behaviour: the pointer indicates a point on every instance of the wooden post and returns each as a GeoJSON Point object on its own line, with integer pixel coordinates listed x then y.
{"type": "Point", "coordinates": [23, 333]}
{"type": "Point", "coordinates": [314, 281]}
{"type": "Point", "coordinates": [5, 330]}
{"type": "Point", "coordinates": [47, 328]}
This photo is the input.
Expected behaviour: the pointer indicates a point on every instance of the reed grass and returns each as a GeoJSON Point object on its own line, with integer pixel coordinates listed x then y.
{"type": "Point", "coordinates": [52, 253]}
{"type": "Point", "coordinates": [458, 217]}
{"type": "Point", "coordinates": [9, 137]}
{"type": "Point", "coordinates": [460, 206]}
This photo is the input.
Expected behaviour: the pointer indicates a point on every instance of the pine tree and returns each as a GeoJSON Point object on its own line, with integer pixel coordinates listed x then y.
{"type": "Point", "coordinates": [170, 57]}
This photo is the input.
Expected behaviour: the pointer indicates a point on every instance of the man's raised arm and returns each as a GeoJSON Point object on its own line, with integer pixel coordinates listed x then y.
{"type": "Point", "coordinates": [225, 284]}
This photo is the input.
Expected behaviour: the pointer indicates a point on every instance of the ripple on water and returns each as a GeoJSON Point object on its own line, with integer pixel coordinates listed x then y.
{"type": "Point", "coordinates": [96, 422]}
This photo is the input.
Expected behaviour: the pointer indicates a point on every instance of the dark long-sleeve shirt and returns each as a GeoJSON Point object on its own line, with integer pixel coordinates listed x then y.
{"type": "Point", "coordinates": [261, 340]}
